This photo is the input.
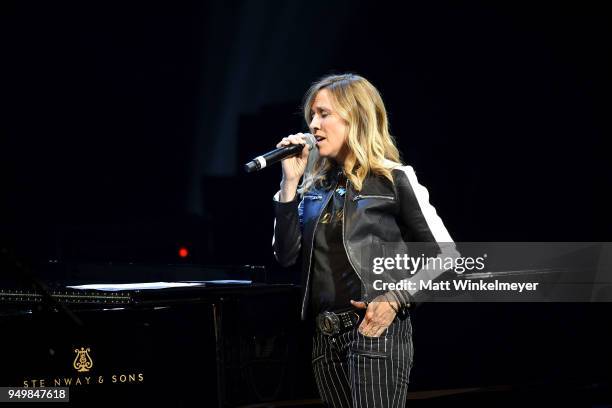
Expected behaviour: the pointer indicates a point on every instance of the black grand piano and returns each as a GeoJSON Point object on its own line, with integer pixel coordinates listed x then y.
{"type": "Point", "coordinates": [171, 334]}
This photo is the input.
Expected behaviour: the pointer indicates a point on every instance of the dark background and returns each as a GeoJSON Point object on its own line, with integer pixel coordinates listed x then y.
{"type": "Point", "coordinates": [125, 125]}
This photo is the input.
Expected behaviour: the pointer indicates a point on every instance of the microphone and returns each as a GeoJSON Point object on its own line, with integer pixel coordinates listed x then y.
{"type": "Point", "coordinates": [279, 154]}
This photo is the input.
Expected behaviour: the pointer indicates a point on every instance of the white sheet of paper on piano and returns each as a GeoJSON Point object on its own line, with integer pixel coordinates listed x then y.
{"type": "Point", "coordinates": [110, 287]}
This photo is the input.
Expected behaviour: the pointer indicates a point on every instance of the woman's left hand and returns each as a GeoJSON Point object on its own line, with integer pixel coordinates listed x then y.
{"type": "Point", "coordinates": [379, 315]}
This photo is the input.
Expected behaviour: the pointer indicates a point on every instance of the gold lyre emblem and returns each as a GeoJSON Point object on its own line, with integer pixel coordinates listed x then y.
{"type": "Point", "coordinates": [82, 361]}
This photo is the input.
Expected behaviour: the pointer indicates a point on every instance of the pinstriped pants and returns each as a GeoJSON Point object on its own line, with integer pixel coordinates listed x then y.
{"type": "Point", "coordinates": [352, 370]}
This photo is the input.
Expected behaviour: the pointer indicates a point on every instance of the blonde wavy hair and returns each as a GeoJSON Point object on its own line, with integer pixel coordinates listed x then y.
{"type": "Point", "coordinates": [371, 148]}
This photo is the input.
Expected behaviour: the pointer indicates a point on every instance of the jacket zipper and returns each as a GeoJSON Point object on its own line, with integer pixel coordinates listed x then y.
{"type": "Point", "coordinates": [314, 230]}
{"type": "Point", "coordinates": [348, 256]}
{"type": "Point", "coordinates": [383, 197]}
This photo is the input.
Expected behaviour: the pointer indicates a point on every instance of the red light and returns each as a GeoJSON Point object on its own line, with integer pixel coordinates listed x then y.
{"type": "Point", "coordinates": [183, 252]}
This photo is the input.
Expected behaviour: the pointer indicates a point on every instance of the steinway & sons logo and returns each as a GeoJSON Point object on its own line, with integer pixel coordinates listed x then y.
{"type": "Point", "coordinates": [83, 363]}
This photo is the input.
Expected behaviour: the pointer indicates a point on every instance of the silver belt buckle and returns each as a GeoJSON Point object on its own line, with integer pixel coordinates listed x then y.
{"type": "Point", "coordinates": [328, 323]}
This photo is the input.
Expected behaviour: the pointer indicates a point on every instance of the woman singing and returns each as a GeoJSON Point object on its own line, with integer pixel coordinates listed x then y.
{"type": "Point", "coordinates": [357, 198]}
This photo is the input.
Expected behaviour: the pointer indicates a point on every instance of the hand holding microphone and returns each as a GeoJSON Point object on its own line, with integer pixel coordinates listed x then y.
{"type": "Point", "coordinates": [293, 151]}
{"type": "Point", "coordinates": [293, 167]}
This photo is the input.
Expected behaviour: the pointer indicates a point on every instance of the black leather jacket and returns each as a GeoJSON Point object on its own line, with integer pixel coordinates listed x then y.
{"type": "Point", "coordinates": [382, 214]}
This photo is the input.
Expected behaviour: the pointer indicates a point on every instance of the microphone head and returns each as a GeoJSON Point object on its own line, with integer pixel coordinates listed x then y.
{"type": "Point", "coordinates": [311, 141]}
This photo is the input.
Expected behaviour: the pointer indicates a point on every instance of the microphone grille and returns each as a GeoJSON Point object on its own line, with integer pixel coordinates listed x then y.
{"type": "Point", "coordinates": [311, 141]}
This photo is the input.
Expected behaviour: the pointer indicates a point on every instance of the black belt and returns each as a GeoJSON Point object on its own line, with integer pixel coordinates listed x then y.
{"type": "Point", "coordinates": [331, 324]}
